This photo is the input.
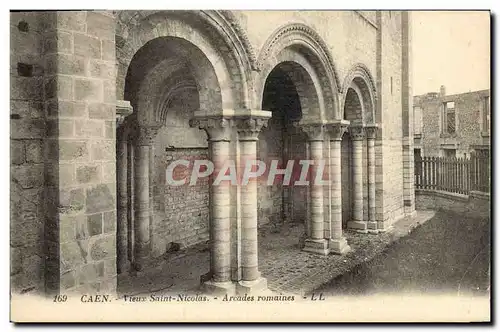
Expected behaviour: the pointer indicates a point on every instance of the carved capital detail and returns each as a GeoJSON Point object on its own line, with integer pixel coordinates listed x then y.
{"type": "Point", "coordinates": [357, 133]}
{"type": "Point", "coordinates": [217, 128]}
{"type": "Point", "coordinates": [337, 130]}
{"type": "Point", "coordinates": [123, 109]}
{"type": "Point", "coordinates": [371, 131]}
{"type": "Point", "coordinates": [145, 135]}
{"type": "Point", "coordinates": [249, 127]}
{"type": "Point", "coordinates": [314, 131]}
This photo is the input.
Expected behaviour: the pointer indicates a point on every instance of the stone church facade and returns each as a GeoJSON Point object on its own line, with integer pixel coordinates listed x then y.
{"type": "Point", "coordinates": [103, 102]}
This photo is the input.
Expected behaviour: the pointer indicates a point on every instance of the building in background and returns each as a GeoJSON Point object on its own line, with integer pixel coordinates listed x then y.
{"type": "Point", "coordinates": [451, 126]}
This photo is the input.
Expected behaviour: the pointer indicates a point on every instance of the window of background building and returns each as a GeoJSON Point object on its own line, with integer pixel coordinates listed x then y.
{"type": "Point", "coordinates": [417, 155]}
{"type": "Point", "coordinates": [449, 119]}
{"type": "Point", "coordinates": [486, 114]}
{"type": "Point", "coordinates": [450, 153]}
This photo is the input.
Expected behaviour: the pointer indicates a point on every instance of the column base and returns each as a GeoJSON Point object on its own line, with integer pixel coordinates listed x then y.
{"type": "Point", "coordinates": [252, 287]}
{"type": "Point", "coordinates": [211, 287]}
{"type": "Point", "coordinates": [125, 269]}
{"type": "Point", "coordinates": [384, 227]}
{"type": "Point", "coordinates": [372, 227]}
{"type": "Point", "coordinates": [139, 267]}
{"type": "Point", "coordinates": [339, 246]}
{"type": "Point", "coordinates": [410, 212]}
{"type": "Point", "coordinates": [316, 246]}
{"type": "Point", "coordinates": [358, 226]}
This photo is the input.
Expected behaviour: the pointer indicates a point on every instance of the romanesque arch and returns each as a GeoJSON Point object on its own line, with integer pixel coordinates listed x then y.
{"type": "Point", "coordinates": [170, 66]}
{"type": "Point", "coordinates": [358, 152]}
{"type": "Point", "coordinates": [359, 91]}
{"type": "Point", "coordinates": [301, 45]}
{"type": "Point", "coordinates": [216, 33]}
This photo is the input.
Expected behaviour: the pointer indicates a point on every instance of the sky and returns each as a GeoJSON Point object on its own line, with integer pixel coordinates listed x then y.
{"type": "Point", "coordinates": [450, 49]}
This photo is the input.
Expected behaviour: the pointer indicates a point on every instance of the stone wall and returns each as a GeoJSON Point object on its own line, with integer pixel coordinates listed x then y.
{"type": "Point", "coordinates": [27, 126]}
{"type": "Point", "coordinates": [180, 212]}
{"type": "Point", "coordinates": [476, 204]}
{"type": "Point", "coordinates": [389, 160]}
{"type": "Point", "coordinates": [351, 37]}
{"type": "Point", "coordinates": [63, 152]}
{"type": "Point", "coordinates": [270, 147]}
{"type": "Point", "coordinates": [469, 128]}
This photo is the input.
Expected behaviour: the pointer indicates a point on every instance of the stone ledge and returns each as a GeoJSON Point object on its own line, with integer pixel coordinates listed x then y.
{"type": "Point", "coordinates": [480, 195]}
{"type": "Point", "coordinates": [444, 194]}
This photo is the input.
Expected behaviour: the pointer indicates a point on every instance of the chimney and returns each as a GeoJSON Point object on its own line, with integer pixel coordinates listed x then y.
{"type": "Point", "coordinates": [442, 91]}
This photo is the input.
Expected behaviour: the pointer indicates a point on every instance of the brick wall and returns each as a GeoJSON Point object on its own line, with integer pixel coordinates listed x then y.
{"type": "Point", "coordinates": [26, 152]}
{"type": "Point", "coordinates": [181, 213]}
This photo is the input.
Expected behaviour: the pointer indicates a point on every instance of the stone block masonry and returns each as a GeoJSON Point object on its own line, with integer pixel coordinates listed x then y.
{"type": "Point", "coordinates": [27, 168]}
{"type": "Point", "coordinates": [80, 226]}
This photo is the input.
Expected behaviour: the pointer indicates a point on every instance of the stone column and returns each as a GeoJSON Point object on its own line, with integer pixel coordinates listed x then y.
{"type": "Point", "coordinates": [130, 199]}
{"type": "Point", "coordinates": [357, 222]}
{"type": "Point", "coordinates": [123, 109]}
{"type": "Point", "coordinates": [338, 243]}
{"type": "Point", "coordinates": [151, 184]}
{"type": "Point", "coordinates": [316, 243]}
{"type": "Point", "coordinates": [371, 131]}
{"type": "Point", "coordinates": [218, 280]}
{"type": "Point", "coordinates": [142, 245]}
{"type": "Point", "coordinates": [122, 261]}
{"type": "Point", "coordinates": [248, 131]}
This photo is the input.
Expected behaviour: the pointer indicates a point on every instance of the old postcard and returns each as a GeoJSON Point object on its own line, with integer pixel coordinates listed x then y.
{"type": "Point", "coordinates": [250, 166]}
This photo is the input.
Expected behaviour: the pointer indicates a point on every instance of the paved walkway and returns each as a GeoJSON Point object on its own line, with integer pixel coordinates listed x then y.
{"type": "Point", "coordinates": [287, 269]}
{"type": "Point", "coordinates": [450, 255]}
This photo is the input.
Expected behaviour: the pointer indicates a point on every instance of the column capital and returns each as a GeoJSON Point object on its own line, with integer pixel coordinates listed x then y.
{"type": "Point", "coordinates": [371, 131]}
{"type": "Point", "coordinates": [145, 135]}
{"type": "Point", "coordinates": [249, 127]}
{"type": "Point", "coordinates": [123, 109]}
{"type": "Point", "coordinates": [314, 131]}
{"type": "Point", "coordinates": [336, 129]}
{"type": "Point", "coordinates": [218, 128]}
{"type": "Point", "coordinates": [357, 133]}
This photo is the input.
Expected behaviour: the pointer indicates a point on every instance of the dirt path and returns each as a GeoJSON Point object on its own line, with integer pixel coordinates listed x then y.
{"type": "Point", "coordinates": [448, 254]}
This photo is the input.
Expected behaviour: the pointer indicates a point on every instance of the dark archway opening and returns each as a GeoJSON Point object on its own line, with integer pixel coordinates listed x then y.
{"type": "Point", "coordinates": [282, 141]}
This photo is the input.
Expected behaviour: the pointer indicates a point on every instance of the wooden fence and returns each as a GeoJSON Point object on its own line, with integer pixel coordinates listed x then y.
{"type": "Point", "coordinates": [456, 175]}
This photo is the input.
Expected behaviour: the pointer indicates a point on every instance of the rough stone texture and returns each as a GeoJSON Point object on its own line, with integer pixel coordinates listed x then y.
{"type": "Point", "coordinates": [27, 168]}
{"type": "Point", "coordinates": [469, 114]}
{"type": "Point", "coordinates": [100, 198]}
{"type": "Point", "coordinates": [77, 145]}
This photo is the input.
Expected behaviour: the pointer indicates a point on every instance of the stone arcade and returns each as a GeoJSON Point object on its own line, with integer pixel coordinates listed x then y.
{"type": "Point", "coordinates": [103, 102]}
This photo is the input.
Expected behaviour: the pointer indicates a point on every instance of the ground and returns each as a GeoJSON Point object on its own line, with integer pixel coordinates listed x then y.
{"type": "Point", "coordinates": [448, 254]}
{"type": "Point", "coordinates": [287, 269]}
